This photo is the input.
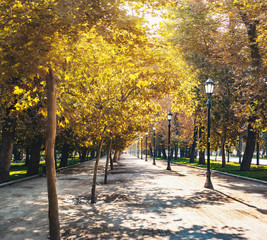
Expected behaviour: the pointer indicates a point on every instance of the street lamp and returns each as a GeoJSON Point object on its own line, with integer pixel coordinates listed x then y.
{"type": "Point", "coordinates": [138, 147]}
{"type": "Point", "coordinates": [154, 135]}
{"type": "Point", "coordinates": [146, 145]}
{"type": "Point", "coordinates": [169, 140]}
{"type": "Point", "coordinates": [141, 147]}
{"type": "Point", "coordinates": [209, 87]}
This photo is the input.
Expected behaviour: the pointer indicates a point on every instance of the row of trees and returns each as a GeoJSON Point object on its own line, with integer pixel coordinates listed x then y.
{"type": "Point", "coordinates": [225, 40]}
{"type": "Point", "coordinates": [81, 74]}
{"type": "Point", "coordinates": [88, 74]}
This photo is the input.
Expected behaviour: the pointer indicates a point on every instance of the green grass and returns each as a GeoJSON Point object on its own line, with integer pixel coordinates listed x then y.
{"type": "Point", "coordinates": [19, 170]}
{"type": "Point", "coordinates": [256, 172]}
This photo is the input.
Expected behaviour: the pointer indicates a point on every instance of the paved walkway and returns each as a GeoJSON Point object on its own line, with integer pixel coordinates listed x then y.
{"type": "Point", "coordinates": [140, 201]}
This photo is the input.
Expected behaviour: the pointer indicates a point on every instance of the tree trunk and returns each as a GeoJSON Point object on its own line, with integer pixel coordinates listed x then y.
{"type": "Point", "coordinates": [164, 152]}
{"type": "Point", "coordinates": [249, 150]}
{"type": "Point", "coordinates": [182, 153]}
{"type": "Point", "coordinates": [8, 136]}
{"type": "Point", "coordinates": [159, 151]}
{"type": "Point", "coordinates": [193, 147]}
{"type": "Point", "coordinates": [27, 158]}
{"type": "Point", "coordinates": [258, 153]}
{"type": "Point", "coordinates": [202, 158]}
{"type": "Point", "coordinates": [83, 157]}
{"type": "Point", "coordinates": [33, 166]}
{"type": "Point", "coordinates": [92, 154]}
{"type": "Point", "coordinates": [106, 167]}
{"type": "Point", "coordinates": [201, 152]}
{"type": "Point", "coordinates": [64, 155]}
{"type": "Point", "coordinates": [176, 152]}
{"type": "Point", "coordinates": [54, 226]}
{"type": "Point", "coordinates": [93, 199]}
{"type": "Point", "coordinates": [223, 152]}
{"type": "Point", "coordinates": [17, 154]}
{"type": "Point", "coordinates": [111, 160]}
{"type": "Point", "coordinates": [151, 151]}
{"type": "Point", "coordinates": [116, 156]}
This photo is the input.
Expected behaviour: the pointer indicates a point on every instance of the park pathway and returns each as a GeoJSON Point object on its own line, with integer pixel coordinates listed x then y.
{"type": "Point", "coordinates": [140, 201]}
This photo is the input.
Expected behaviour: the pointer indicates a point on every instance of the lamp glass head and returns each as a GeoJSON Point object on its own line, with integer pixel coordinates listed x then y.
{"type": "Point", "coordinates": [169, 116]}
{"type": "Point", "coordinates": [209, 86]}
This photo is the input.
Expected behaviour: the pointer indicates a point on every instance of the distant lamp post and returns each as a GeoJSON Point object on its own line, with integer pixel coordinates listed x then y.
{"type": "Point", "coordinates": [169, 140]}
{"type": "Point", "coordinates": [141, 147]}
{"type": "Point", "coordinates": [138, 147]}
{"type": "Point", "coordinates": [146, 145]}
{"type": "Point", "coordinates": [154, 136]}
{"type": "Point", "coordinates": [209, 87]}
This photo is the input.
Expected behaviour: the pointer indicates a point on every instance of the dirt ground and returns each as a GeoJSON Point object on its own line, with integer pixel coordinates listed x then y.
{"type": "Point", "coordinates": [140, 201]}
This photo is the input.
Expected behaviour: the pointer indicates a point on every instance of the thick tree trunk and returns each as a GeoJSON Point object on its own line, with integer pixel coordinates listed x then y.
{"type": "Point", "coordinates": [223, 152]}
{"type": "Point", "coordinates": [93, 198]}
{"type": "Point", "coordinates": [116, 156]}
{"type": "Point", "coordinates": [64, 155]}
{"type": "Point", "coordinates": [83, 157]}
{"type": "Point", "coordinates": [54, 226]}
{"type": "Point", "coordinates": [201, 158]}
{"type": "Point", "coordinates": [8, 135]}
{"type": "Point", "coordinates": [33, 166]}
{"type": "Point", "coordinates": [249, 150]}
{"type": "Point", "coordinates": [107, 161]}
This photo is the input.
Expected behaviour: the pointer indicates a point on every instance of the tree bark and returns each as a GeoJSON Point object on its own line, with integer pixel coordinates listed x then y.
{"type": "Point", "coordinates": [33, 166]}
{"type": "Point", "coordinates": [53, 214]}
{"type": "Point", "coordinates": [201, 152]}
{"type": "Point", "coordinates": [92, 154]}
{"type": "Point", "coordinates": [93, 199]}
{"type": "Point", "coordinates": [164, 152]}
{"type": "Point", "coordinates": [111, 161]}
{"type": "Point", "coordinates": [64, 155]}
{"type": "Point", "coordinates": [17, 154]}
{"type": "Point", "coordinates": [201, 158]}
{"type": "Point", "coordinates": [8, 136]}
{"type": "Point", "coordinates": [107, 161]}
{"type": "Point", "coordinates": [249, 150]}
{"type": "Point", "coordinates": [223, 152]}
{"type": "Point", "coordinates": [193, 147]}
{"type": "Point", "coordinates": [116, 156]}
{"type": "Point", "coordinates": [83, 157]}
{"type": "Point", "coordinates": [27, 158]}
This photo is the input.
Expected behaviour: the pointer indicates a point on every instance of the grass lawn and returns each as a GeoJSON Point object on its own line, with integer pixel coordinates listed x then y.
{"type": "Point", "coordinates": [19, 170]}
{"type": "Point", "coordinates": [257, 172]}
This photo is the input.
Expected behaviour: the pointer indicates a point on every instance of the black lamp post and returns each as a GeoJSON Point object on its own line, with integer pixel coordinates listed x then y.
{"type": "Point", "coordinates": [146, 145]}
{"type": "Point", "coordinates": [209, 87]}
{"type": "Point", "coordinates": [141, 147]}
{"type": "Point", "coordinates": [169, 140]}
{"type": "Point", "coordinates": [138, 147]}
{"type": "Point", "coordinates": [154, 136]}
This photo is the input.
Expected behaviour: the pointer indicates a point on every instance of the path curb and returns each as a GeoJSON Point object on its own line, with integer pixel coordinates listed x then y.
{"type": "Point", "coordinates": [38, 175]}
{"type": "Point", "coordinates": [223, 173]}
